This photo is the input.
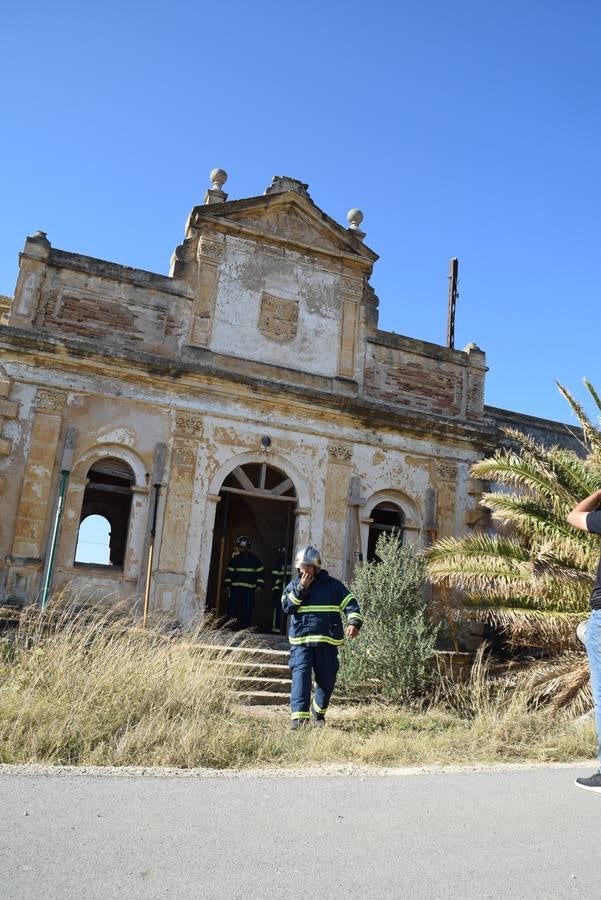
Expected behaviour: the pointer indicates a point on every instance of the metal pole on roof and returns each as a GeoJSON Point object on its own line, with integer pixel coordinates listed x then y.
{"type": "Point", "coordinates": [453, 281]}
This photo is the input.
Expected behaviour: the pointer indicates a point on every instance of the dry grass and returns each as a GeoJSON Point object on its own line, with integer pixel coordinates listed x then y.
{"type": "Point", "coordinates": [93, 689]}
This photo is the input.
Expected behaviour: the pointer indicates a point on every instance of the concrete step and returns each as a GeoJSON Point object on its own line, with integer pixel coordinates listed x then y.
{"type": "Point", "coordinates": [258, 669]}
{"type": "Point", "coordinates": [256, 684]}
{"type": "Point", "coordinates": [262, 698]}
{"type": "Point", "coordinates": [246, 654]}
{"type": "Point", "coordinates": [256, 675]}
{"type": "Point", "coordinates": [246, 638]}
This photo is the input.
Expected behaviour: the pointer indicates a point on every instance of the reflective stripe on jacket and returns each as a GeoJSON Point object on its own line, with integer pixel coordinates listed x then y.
{"type": "Point", "coordinates": [315, 614]}
{"type": "Point", "coordinates": [278, 573]}
{"type": "Point", "coordinates": [246, 571]}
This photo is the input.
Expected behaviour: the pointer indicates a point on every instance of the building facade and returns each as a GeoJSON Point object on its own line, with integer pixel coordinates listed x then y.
{"type": "Point", "coordinates": [248, 392]}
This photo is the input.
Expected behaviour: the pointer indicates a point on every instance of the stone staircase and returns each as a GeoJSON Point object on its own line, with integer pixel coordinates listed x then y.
{"type": "Point", "coordinates": [257, 668]}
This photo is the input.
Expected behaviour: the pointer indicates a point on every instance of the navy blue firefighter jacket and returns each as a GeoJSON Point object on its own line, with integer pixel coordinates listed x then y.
{"type": "Point", "coordinates": [315, 613]}
{"type": "Point", "coordinates": [245, 571]}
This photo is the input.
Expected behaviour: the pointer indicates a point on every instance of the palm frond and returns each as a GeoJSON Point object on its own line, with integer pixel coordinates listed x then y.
{"type": "Point", "coordinates": [529, 517]}
{"type": "Point", "coordinates": [566, 560]}
{"type": "Point", "coordinates": [578, 476]}
{"type": "Point", "coordinates": [592, 435]}
{"type": "Point", "coordinates": [562, 683]}
{"type": "Point", "coordinates": [478, 544]}
{"type": "Point", "coordinates": [573, 473]}
{"type": "Point", "coordinates": [525, 473]}
{"type": "Point", "coordinates": [548, 630]}
{"type": "Point", "coordinates": [593, 393]}
{"type": "Point", "coordinates": [492, 570]}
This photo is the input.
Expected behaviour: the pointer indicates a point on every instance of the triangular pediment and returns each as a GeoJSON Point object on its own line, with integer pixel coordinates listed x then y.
{"type": "Point", "coordinates": [287, 218]}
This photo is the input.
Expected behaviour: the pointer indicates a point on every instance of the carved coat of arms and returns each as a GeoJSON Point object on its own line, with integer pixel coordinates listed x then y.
{"type": "Point", "coordinates": [278, 318]}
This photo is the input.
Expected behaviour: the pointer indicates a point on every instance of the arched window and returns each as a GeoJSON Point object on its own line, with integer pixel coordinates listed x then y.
{"type": "Point", "coordinates": [93, 541]}
{"type": "Point", "coordinates": [386, 517]}
{"type": "Point", "coordinates": [107, 497]}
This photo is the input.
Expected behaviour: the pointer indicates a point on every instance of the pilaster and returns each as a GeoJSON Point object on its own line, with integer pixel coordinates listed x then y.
{"type": "Point", "coordinates": [172, 569]}
{"type": "Point", "coordinates": [25, 562]}
{"type": "Point", "coordinates": [338, 477]}
{"type": "Point", "coordinates": [210, 255]}
{"type": "Point", "coordinates": [351, 291]}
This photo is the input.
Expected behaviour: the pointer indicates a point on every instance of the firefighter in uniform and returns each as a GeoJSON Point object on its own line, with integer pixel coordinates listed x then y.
{"type": "Point", "coordinates": [315, 602]}
{"type": "Point", "coordinates": [244, 575]}
{"type": "Point", "coordinates": [278, 575]}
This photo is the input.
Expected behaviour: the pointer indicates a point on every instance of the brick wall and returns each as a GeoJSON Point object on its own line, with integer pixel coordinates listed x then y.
{"type": "Point", "coordinates": [406, 375]}
{"type": "Point", "coordinates": [116, 305]}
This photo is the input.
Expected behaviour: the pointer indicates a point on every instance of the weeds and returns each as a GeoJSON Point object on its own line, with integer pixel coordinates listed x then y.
{"type": "Point", "coordinates": [91, 688]}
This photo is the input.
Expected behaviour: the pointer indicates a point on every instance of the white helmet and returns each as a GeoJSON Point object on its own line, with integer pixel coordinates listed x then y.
{"type": "Point", "coordinates": [308, 556]}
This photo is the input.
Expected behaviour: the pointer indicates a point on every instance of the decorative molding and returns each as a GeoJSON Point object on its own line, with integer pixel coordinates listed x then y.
{"type": "Point", "coordinates": [447, 471]}
{"type": "Point", "coordinates": [352, 286]}
{"type": "Point", "coordinates": [188, 425]}
{"type": "Point", "coordinates": [211, 250]}
{"type": "Point", "coordinates": [278, 318]}
{"type": "Point", "coordinates": [50, 399]}
{"type": "Point", "coordinates": [340, 453]}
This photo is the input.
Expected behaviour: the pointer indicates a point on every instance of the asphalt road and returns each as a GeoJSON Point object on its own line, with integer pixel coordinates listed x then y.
{"type": "Point", "coordinates": [525, 833]}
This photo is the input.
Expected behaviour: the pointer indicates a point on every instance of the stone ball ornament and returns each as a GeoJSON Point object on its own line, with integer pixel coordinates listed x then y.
{"type": "Point", "coordinates": [354, 217]}
{"type": "Point", "coordinates": [218, 178]}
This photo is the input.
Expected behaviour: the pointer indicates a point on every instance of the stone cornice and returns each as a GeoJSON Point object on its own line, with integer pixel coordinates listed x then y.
{"type": "Point", "coordinates": [421, 348]}
{"type": "Point", "coordinates": [337, 395]}
{"type": "Point", "coordinates": [569, 434]}
{"type": "Point", "coordinates": [61, 259]}
{"type": "Point", "coordinates": [223, 217]}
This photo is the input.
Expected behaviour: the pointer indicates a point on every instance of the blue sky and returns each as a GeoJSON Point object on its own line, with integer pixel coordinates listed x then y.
{"type": "Point", "coordinates": [468, 129]}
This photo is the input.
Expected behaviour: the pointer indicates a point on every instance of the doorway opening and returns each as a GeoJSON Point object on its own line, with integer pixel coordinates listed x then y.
{"type": "Point", "coordinates": [257, 500]}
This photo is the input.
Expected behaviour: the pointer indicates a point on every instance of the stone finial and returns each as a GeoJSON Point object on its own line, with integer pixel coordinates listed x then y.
{"type": "Point", "coordinates": [354, 217]}
{"type": "Point", "coordinates": [218, 178]}
{"type": "Point", "coordinates": [216, 194]}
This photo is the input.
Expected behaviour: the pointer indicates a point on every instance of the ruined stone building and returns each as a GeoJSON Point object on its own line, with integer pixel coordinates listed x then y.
{"type": "Point", "coordinates": [250, 391]}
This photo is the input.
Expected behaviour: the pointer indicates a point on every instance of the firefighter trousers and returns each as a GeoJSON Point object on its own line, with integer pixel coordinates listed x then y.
{"type": "Point", "coordinates": [241, 605]}
{"type": "Point", "coordinates": [276, 618]}
{"type": "Point", "coordinates": [306, 659]}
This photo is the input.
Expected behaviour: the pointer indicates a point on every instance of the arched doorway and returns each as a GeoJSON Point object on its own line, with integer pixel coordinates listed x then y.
{"type": "Point", "coordinates": [385, 517]}
{"type": "Point", "coordinates": [257, 500]}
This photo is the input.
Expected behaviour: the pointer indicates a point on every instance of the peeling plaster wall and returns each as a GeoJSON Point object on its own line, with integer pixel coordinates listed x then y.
{"type": "Point", "coordinates": [249, 271]}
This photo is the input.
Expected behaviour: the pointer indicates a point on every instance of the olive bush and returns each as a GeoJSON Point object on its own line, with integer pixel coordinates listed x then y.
{"type": "Point", "coordinates": [390, 658]}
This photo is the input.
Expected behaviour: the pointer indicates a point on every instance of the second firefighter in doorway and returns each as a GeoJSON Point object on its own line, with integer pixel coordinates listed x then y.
{"type": "Point", "coordinates": [244, 575]}
{"type": "Point", "coordinates": [315, 603]}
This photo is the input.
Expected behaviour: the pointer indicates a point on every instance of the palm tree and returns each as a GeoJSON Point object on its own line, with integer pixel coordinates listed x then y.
{"type": "Point", "coordinates": [533, 577]}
